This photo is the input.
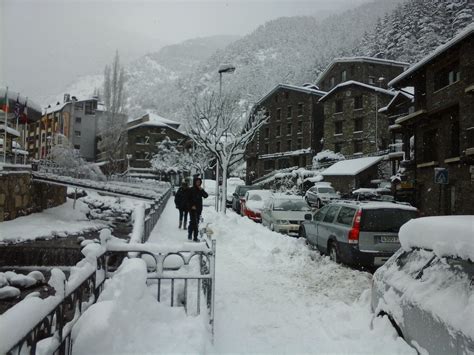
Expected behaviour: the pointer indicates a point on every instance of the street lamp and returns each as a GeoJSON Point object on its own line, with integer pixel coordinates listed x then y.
{"type": "Point", "coordinates": [380, 80]}
{"type": "Point", "coordinates": [224, 68]}
{"type": "Point", "coordinates": [128, 156]}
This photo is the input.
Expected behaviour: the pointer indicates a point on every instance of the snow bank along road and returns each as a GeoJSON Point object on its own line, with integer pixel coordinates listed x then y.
{"type": "Point", "coordinates": [273, 295]}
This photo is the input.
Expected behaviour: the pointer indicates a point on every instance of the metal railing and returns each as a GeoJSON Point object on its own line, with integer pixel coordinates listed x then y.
{"type": "Point", "coordinates": [154, 214]}
{"type": "Point", "coordinates": [57, 324]}
{"type": "Point", "coordinates": [204, 278]}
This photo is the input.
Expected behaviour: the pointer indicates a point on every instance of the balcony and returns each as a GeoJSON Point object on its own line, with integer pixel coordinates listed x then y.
{"type": "Point", "coordinates": [395, 151]}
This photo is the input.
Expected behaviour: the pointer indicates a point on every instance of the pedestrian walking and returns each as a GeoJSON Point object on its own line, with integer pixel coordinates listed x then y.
{"type": "Point", "coordinates": [180, 200]}
{"type": "Point", "coordinates": [195, 195]}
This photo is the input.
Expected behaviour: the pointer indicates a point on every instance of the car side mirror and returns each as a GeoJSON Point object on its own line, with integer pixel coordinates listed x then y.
{"type": "Point", "coordinates": [308, 217]}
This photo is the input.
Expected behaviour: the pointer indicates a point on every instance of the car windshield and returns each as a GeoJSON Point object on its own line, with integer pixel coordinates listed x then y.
{"type": "Point", "coordinates": [290, 205]}
{"type": "Point", "coordinates": [255, 198]}
{"type": "Point", "coordinates": [385, 219]}
{"type": "Point", "coordinates": [326, 190]}
{"type": "Point", "coordinates": [241, 190]}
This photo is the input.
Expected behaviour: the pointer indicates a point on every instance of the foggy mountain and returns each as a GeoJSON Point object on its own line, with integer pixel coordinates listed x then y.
{"type": "Point", "coordinates": [293, 50]}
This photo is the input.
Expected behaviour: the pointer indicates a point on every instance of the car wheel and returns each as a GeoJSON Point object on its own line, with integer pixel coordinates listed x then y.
{"type": "Point", "coordinates": [318, 204]}
{"type": "Point", "coordinates": [334, 252]}
{"type": "Point", "coordinates": [302, 233]}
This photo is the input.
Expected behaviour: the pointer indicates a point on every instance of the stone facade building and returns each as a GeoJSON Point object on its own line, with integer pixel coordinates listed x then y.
{"type": "Point", "coordinates": [442, 128]}
{"type": "Point", "coordinates": [352, 123]}
{"type": "Point", "coordinates": [357, 89]}
{"type": "Point", "coordinates": [292, 134]}
{"type": "Point", "coordinates": [365, 70]}
{"type": "Point", "coordinates": [144, 135]}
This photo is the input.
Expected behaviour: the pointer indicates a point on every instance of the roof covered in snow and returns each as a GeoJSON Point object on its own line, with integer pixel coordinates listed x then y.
{"type": "Point", "coordinates": [400, 94]}
{"type": "Point", "coordinates": [358, 83]}
{"type": "Point", "coordinates": [152, 119]}
{"type": "Point", "coordinates": [466, 33]}
{"type": "Point", "coordinates": [304, 89]}
{"type": "Point", "coordinates": [360, 60]}
{"type": "Point", "coordinates": [351, 167]}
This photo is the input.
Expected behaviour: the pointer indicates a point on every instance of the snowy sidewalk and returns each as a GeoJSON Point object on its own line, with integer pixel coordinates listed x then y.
{"type": "Point", "coordinates": [274, 295]}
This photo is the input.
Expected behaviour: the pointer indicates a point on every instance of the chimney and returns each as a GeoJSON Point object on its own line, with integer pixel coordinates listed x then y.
{"type": "Point", "coordinates": [67, 97]}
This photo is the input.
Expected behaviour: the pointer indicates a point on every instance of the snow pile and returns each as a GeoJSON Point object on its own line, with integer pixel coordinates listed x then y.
{"type": "Point", "coordinates": [445, 235]}
{"type": "Point", "coordinates": [273, 291]}
{"type": "Point", "coordinates": [128, 319]}
{"type": "Point", "coordinates": [326, 156]}
{"type": "Point", "coordinates": [256, 199]}
{"type": "Point", "coordinates": [56, 221]}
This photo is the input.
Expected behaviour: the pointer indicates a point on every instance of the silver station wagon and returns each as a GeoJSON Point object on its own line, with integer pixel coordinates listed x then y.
{"type": "Point", "coordinates": [363, 233]}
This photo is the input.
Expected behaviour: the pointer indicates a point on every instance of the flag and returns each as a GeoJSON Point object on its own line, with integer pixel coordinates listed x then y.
{"type": "Point", "coordinates": [17, 109]}
{"type": "Point", "coordinates": [4, 101]}
{"type": "Point", "coordinates": [24, 113]}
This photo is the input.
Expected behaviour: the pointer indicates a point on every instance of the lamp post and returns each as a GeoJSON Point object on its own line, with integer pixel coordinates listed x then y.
{"type": "Point", "coordinates": [380, 80]}
{"type": "Point", "coordinates": [225, 68]}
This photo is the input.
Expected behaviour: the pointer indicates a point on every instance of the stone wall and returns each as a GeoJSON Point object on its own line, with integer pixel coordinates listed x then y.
{"type": "Point", "coordinates": [19, 196]}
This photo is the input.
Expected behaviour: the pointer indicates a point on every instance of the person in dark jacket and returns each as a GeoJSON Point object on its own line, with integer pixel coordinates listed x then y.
{"type": "Point", "coordinates": [180, 200]}
{"type": "Point", "coordinates": [195, 196]}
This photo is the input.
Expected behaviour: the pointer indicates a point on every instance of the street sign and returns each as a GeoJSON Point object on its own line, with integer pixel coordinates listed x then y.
{"type": "Point", "coordinates": [441, 176]}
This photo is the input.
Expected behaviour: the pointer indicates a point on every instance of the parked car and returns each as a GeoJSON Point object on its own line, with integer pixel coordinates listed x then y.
{"type": "Point", "coordinates": [239, 195]}
{"type": "Point", "coordinates": [426, 289]}
{"type": "Point", "coordinates": [284, 213]}
{"type": "Point", "coordinates": [358, 232]}
{"type": "Point", "coordinates": [253, 202]}
{"type": "Point", "coordinates": [381, 194]}
{"type": "Point", "coordinates": [232, 184]}
{"type": "Point", "coordinates": [320, 194]}
{"type": "Point", "coordinates": [210, 187]}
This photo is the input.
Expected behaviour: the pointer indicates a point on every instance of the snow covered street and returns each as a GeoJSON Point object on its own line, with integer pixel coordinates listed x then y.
{"type": "Point", "coordinates": [274, 294]}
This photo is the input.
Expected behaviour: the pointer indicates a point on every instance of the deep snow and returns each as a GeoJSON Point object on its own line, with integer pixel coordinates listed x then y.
{"type": "Point", "coordinates": [273, 295]}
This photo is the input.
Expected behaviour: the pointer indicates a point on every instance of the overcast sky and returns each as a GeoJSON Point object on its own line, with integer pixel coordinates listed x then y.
{"type": "Point", "coordinates": [46, 44]}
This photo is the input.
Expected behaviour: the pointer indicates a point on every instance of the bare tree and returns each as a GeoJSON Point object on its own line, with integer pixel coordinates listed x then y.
{"type": "Point", "coordinates": [219, 125]}
{"type": "Point", "coordinates": [112, 133]}
{"type": "Point", "coordinates": [199, 159]}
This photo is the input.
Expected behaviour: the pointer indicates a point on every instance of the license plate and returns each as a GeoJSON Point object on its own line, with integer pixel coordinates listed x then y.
{"type": "Point", "coordinates": [388, 239]}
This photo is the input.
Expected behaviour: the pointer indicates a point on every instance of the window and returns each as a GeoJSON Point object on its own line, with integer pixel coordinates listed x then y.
{"type": "Point", "coordinates": [332, 81]}
{"type": "Point", "coordinates": [352, 70]}
{"type": "Point", "coordinates": [278, 114]}
{"type": "Point", "coordinates": [338, 106]}
{"type": "Point", "coordinates": [358, 124]}
{"type": "Point", "coordinates": [455, 149]}
{"type": "Point", "coordinates": [300, 126]}
{"type": "Point", "coordinates": [288, 145]}
{"type": "Point", "coordinates": [289, 112]}
{"type": "Point", "coordinates": [77, 146]}
{"type": "Point", "coordinates": [300, 109]}
{"type": "Point", "coordinates": [371, 80]}
{"type": "Point", "coordinates": [346, 215]}
{"type": "Point", "coordinates": [276, 97]}
{"type": "Point", "coordinates": [267, 132]}
{"type": "Point", "coordinates": [269, 164]}
{"type": "Point", "coordinates": [78, 106]}
{"type": "Point", "coordinates": [91, 106]}
{"type": "Point", "coordinates": [288, 129]}
{"type": "Point", "coordinates": [331, 213]}
{"type": "Point", "coordinates": [343, 76]}
{"type": "Point", "coordinates": [338, 127]}
{"type": "Point", "coordinates": [278, 131]}
{"type": "Point", "coordinates": [358, 102]}
{"type": "Point", "coordinates": [283, 163]}
{"type": "Point", "coordinates": [429, 146]}
{"type": "Point", "coordinates": [300, 143]}
{"type": "Point", "coordinates": [446, 76]}
{"type": "Point", "coordinates": [337, 147]}
{"type": "Point", "coordinates": [470, 137]}
{"type": "Point", "coordinates": [77, 133]}
{"type": "Point", "coordinates": [320, 214]}
{"type": "Point", "coordinates": [78, 119]}
{"type": "Point", "coordinates": [358, 146]}
{"type": "Point", "coordinates": [266, 150]}
{"type": "Point", "coordinates": [139, 140]}
{"type": "Point", "coordinates": [278, 147]}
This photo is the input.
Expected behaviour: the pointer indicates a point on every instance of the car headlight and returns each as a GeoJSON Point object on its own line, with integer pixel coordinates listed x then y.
{"type": "Point", "coordinates": [283, 221]}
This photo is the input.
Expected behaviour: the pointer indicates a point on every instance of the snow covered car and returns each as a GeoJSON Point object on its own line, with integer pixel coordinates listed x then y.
{"type": "Point", "coordinates": [239, 195]}
{"type": "Point", "coordinates": [320, 194]}
{"type": "Point", "coordinates": [363, 233]}
{"type": "Point", "coordinates": [253, 202]}
{"type": "Point", "coordinates": [232, 184]}
{"type": "Point", "coordinates": [426, 289]}
{"type": "Point", "coordinates": [284, 213]}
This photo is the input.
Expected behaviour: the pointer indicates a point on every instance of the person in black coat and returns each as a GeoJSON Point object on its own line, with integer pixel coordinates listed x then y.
{"type": "Point", "coordinates": [180, 200]}
{"type": "Point", "coordinates": [194, 203]}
